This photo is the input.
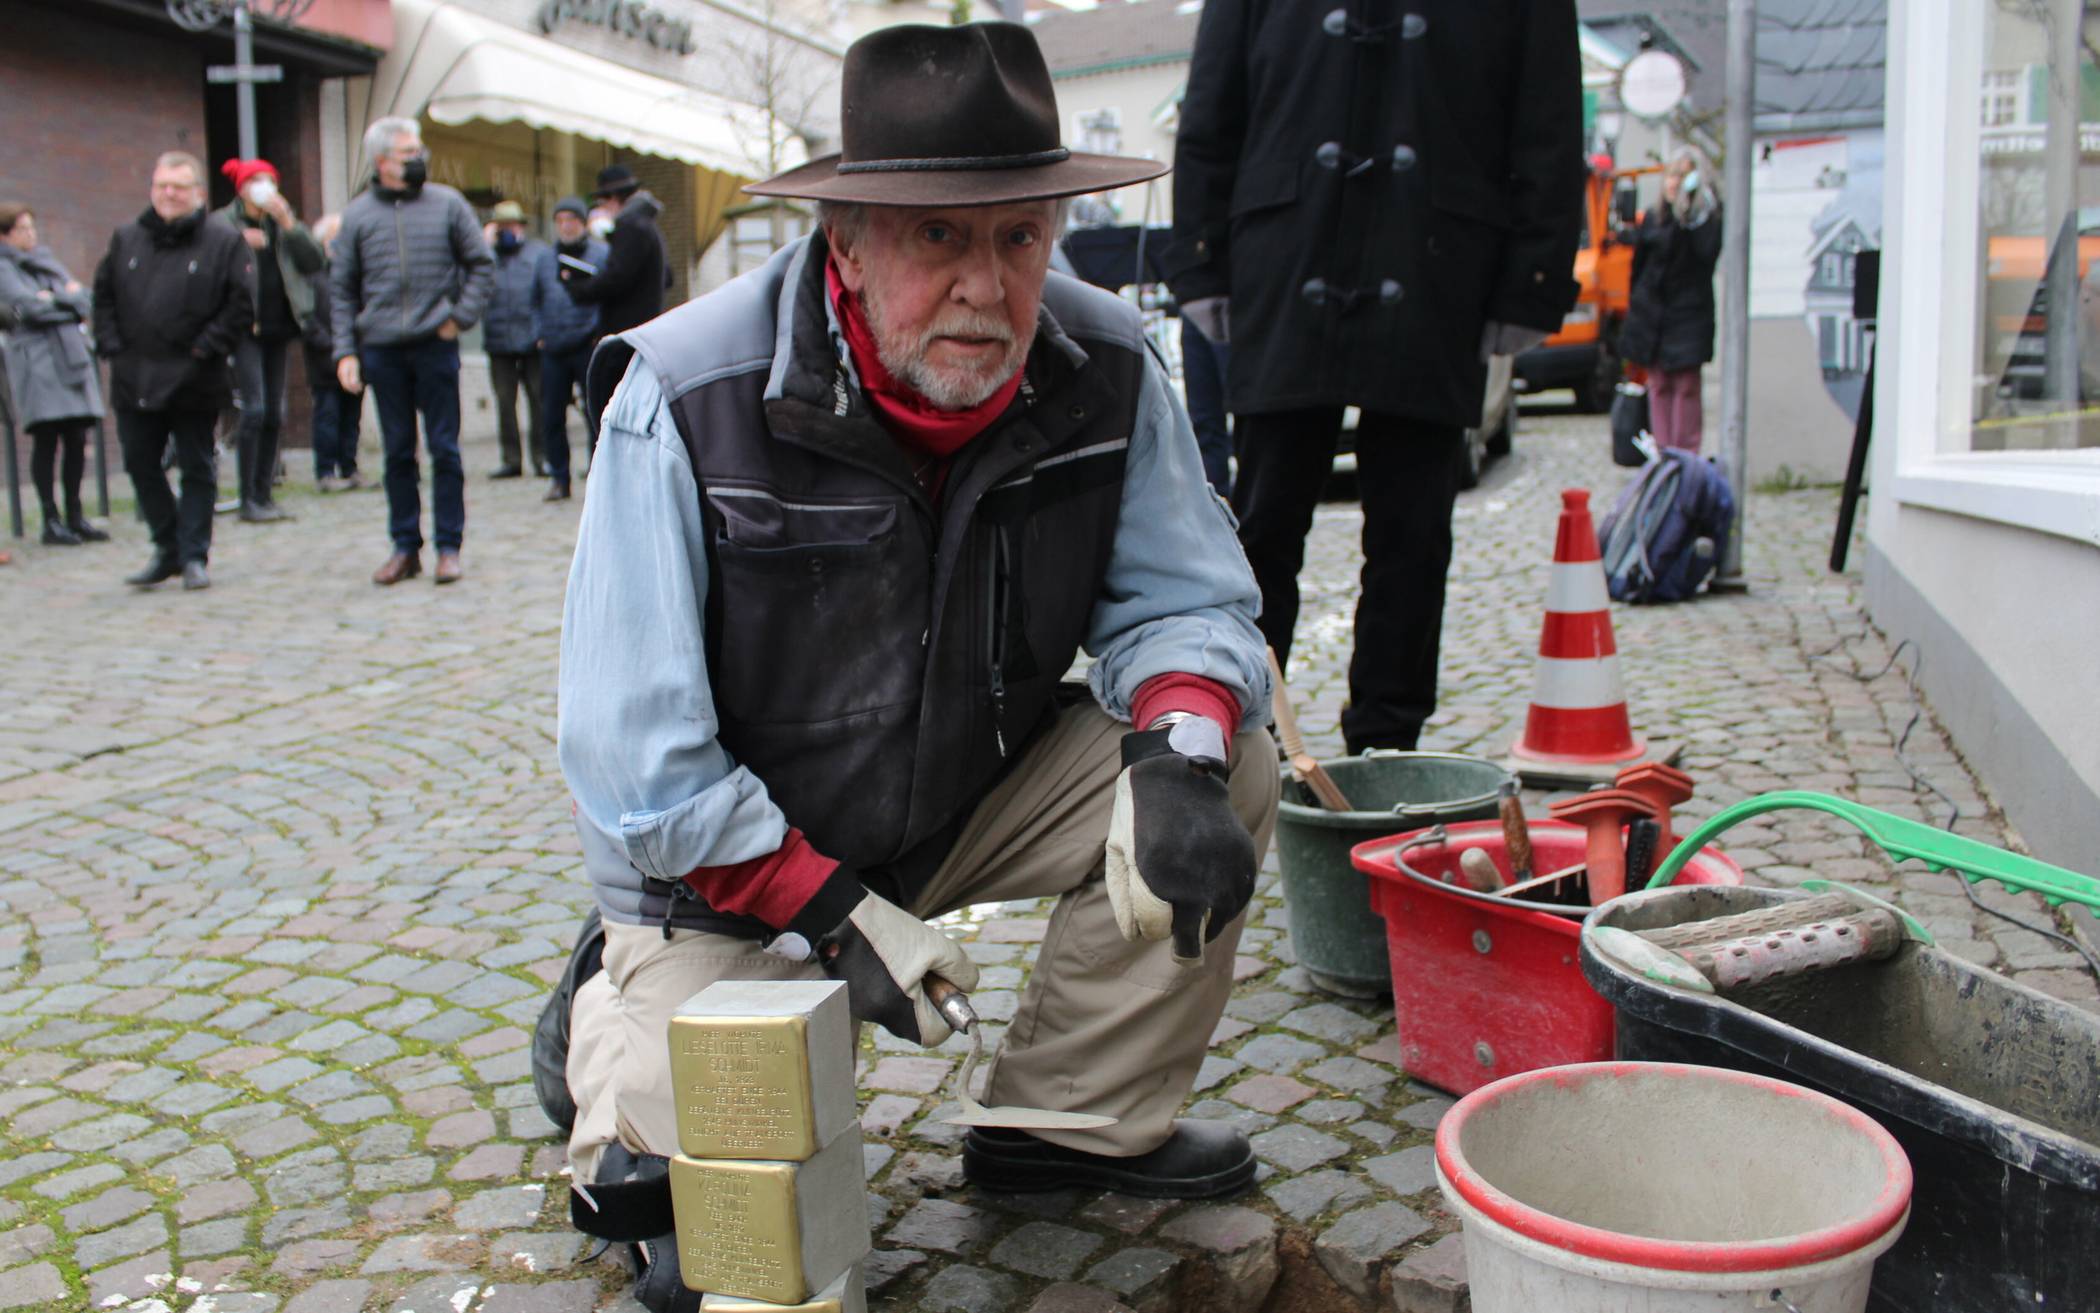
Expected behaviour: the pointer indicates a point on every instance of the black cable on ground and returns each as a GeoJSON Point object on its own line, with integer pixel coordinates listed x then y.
{"type": "Point", "coordinates": [1918, 777]}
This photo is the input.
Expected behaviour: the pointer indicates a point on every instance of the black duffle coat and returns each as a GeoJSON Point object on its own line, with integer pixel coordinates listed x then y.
{"type": "Point", "coordinates": [1371, 181]}
{"type": "Point", "coordinates": [1670, 309]}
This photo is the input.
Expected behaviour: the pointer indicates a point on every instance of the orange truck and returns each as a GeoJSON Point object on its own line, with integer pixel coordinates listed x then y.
{"type": "Point", "coordinates": [1584, 354]}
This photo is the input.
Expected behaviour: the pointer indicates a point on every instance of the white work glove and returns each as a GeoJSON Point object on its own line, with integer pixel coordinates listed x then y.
{"type": "Point", "coordinates": [1212, 316]}
{"type": "Point", "coordinates": [884, 954]}
{"type": "Point", "coordinates": [1497, 339]}
{"type": "Point", "coordinates": [1179, 862]}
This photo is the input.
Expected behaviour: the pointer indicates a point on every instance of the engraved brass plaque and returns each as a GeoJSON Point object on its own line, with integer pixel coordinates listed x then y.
{"type": "Point", "coordinates": [848, 1294]}
{"type": "Point", "coordinates": [743, 1087]}
{"type": "Point", "coordinates": [738, 1231]}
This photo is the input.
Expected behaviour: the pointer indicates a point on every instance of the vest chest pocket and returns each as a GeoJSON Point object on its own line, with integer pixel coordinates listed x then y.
{"type": "Point", "coordinates": [816, 601]}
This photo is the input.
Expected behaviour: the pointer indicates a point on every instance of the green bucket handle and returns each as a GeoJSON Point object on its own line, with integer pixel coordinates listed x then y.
{"type": "Point", "coordinates": [1939, 849]}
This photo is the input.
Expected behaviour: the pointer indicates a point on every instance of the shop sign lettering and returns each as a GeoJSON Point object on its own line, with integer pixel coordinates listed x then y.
{"type": "Point", "coordinates": [628, 18]}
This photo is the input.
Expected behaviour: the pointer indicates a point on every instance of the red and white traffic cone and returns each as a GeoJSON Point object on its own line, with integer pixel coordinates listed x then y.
{"type": "Point", "coordinates": [1578, 703]}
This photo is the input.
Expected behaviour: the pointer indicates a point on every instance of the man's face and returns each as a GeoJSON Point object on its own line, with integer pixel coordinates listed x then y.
{"type": "Point", "coordinates": [516, 230]}
{"type": "Point", "coordinates": [952, 293]}
{"type": "Point", "coordinates": [396, 157]}
{"type": "Point", "coordinates": [23, 235]}
{"type": "Point", "coordinates": [176, 191]}
{"type": "Point", "coordinates": [568, 227]}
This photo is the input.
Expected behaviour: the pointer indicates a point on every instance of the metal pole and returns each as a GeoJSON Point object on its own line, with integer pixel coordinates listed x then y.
{"type": "Point", "coordinates": [243, 89]}
{"type": "Point", "coordinates": [2060, 195]}
{"type": "Point", "coordinates": [1735, 266]}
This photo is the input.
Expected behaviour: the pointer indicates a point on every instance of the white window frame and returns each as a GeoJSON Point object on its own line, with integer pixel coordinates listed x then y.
{"type": "Point", "coordinates": [1927, 325]}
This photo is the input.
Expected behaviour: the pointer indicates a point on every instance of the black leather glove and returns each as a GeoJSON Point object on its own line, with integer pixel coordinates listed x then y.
{"type": "Point", "coordinates": [1179, 861]}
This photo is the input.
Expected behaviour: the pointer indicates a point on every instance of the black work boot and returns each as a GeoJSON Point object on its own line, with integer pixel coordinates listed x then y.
{"type": "Point", "coordinates": [82, 527]}
{"type": "Point", "coordinates": [550, 1038]}
{"type": "Point", "coordinates": [1200, 1160]}
{"type": "Point", "coordinates": [56, 534]}
{"type": "Point", "coordinates": [162, 567]}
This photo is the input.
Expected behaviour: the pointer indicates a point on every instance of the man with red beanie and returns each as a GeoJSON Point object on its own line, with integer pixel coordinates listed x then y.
{"type": "Point", "coordinates": [286, 258]}
{"type": "Point", "coordinates": [852, 519]}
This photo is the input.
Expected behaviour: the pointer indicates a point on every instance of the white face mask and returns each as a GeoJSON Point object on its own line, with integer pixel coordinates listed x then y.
{"type": "Point", "coordinates": [260, 191]}
{"type": "Point", "coordinates": [602, 225]}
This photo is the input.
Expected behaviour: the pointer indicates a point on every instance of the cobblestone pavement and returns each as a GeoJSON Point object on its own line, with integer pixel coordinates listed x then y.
{"type": "Point", "coordinates": [286, 868]}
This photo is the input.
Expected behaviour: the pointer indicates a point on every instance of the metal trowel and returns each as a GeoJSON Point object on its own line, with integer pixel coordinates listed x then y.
{"type": "Point", "coordinates": [954, 1005]}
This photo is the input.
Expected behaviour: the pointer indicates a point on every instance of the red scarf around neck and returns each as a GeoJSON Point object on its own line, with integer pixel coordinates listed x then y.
{"type": "Point", "coordinates": [909, 416]}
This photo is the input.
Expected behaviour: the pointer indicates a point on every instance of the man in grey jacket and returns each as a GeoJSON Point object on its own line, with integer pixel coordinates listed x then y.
{"type": "Point", "coordinates": [411, 270]}
{"type": "Point", "coordinates": [851, 519]}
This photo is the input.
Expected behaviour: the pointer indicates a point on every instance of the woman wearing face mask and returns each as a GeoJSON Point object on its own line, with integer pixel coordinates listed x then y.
{"type": "Point", "coordinates": [1670, 313]}
{"type": "Point", "coordinates": [51, 374]}
{"type": "Point", "coordinates": [286, 257]}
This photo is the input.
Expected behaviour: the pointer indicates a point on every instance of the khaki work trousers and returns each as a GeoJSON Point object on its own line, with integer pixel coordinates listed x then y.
{"type": "Point", "coordinates": [1105, 1026]}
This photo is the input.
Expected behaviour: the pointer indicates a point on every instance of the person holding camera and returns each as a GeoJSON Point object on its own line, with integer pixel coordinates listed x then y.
{"type": "Point", "coordinates": [1670, 314]}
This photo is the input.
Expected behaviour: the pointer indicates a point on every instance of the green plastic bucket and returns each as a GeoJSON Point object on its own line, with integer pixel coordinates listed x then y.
{"type": "Point", "coordinates": [1339, 940]}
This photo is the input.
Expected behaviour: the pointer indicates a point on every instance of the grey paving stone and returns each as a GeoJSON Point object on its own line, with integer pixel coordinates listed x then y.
{"type": "Point", "coordinates": [1407, 1172]}
{"type": "Point", "coordinates": [965, 1289]}
{"type": "Point", "coordinates": [1219, 1110]}
{"type": "Point", "coordinates": [1136, 1272]}
{"type": "Point", "coordinates": [203, 1163]}
{"type": "Point", "coordinates": [274, 1137]}
{"type": "Point", "coordinates": [1298, 1148]}
{"type": "Point", "coordinates": [883, 1268]}
{"type": "Point", "coordinates": [121, 1242]}
{"type": "Point", "coordinates": [1281, 1053]}
{"type": "Point", "coordinates": [948, 1228]}
{"type": "Point", "coordinates": [191, 1098]}
{"type": "Point", "coordinates": [1261, 1009]}
{"type": "Point", "coordinates": [546, 1297]}
{"type": "Point", "coordinates": [67, 1184]}
{"type": "Point", "coordinates": [304, 1258]}
{"type": "Point", "coordinates": [29, 1164]}
{"type": "Point", "coordinates": [208, 1238]}
{"type": "Point", "coordinates": [510, 1208]}
{"type": "Point", "coordinates": [133, 1279]}
{"type": "Point", "coordinates": [300, 1223]}
{"type": "Point", "coordinates": [330, 1297]}
{"type": "Point", "coordinates": [420, 1253]}
{"type": "Point", "coordinates": [1353, 1251]}
{"type": "Point", "coordinates": [38, 1286]}
{"type": "Point", "coordinates": [1352, 1074]}
{"type": "Point", "coordinates": [1330, 1022]}
{"type": "Point", "coordinates": [24, 1242]}
{"type": "Point", "coordinates": [106, 1209]}
{"type": "Point", "coordinates": [214, 1199]}
{"type": "Point", "coordinates": [1306, 1197]}
{"type": "Point", "coordinates": [1328, 1112]}
{"type": "Point", "coordinates": [1069, 1297]}
{"type": "Point", "coordinates": [535, 1251]}
{"type": "Point", "coordinates": [1432, 1279]}
{"type": "Point", "coordinates": [305, 1183]}
{"type": "Point", "coordinates": [101, 1133]}
{"type": "Point", "coordinates": [247, 1301]}
{"type": "Point", "coordinates": [1238, 1245]}
{"type": "Point", "coordinates": [1045, 1249]}
{"type": "Point", "coordinates": [436, 1294]}
{"type": "Point", "coordinates": [1215, 1071]}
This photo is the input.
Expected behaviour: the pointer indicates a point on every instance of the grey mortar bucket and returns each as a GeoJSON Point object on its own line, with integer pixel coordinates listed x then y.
{"type": "Point", "coordinates": [1339, 940]}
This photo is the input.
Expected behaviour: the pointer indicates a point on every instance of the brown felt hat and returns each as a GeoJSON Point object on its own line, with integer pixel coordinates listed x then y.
{"type": "Point", "coordinates": [951, 116]}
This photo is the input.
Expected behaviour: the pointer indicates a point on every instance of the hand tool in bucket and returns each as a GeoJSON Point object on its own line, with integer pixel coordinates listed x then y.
{"type": "Point", "coordinates": [1728, 953]}
{"type": "Point", "coordinates": [954, 1006]}
{"type": "Point", "coordinates": [1304, 768]}
{"type": "Point", "coordinates": [1899, 837]}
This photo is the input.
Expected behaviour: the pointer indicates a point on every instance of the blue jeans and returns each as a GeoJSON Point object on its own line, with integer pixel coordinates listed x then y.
{"type": "Point", "coordinates": [408, 379]}
{"type": "Point", "coordinates": [560, 372]}
{"type": "Point", "coordinates": [1203, 364]}
{"type": "Point", "coordinates": [336, 417]}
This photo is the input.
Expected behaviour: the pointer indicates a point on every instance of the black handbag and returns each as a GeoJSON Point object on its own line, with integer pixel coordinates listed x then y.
{"type": "Point", "coordinates": [1629, 419]}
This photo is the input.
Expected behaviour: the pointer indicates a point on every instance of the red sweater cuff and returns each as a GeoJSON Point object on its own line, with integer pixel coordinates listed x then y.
{"type": "Point", "coordinates": [1192, 693]}
{"type": "Point", "coordinates": [774, 888]}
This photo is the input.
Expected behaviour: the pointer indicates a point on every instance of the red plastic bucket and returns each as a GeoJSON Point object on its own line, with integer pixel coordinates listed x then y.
{"type": "Point", "coordinates": [1483, 990]}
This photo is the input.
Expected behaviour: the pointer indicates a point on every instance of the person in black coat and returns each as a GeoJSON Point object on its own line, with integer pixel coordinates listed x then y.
{"type": "Point", "coordinates": [629, 290]}
{"type": "Point", "coordinates": [1670, 311]}
{"type": "Point", "coordinates": [1370, 200]}
{"type": "Point", "coordinates": [172, 297]}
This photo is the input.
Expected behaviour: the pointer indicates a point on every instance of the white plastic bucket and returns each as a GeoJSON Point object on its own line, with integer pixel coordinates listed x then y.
{"type": "Point", "coordinates": [1637, 1187]}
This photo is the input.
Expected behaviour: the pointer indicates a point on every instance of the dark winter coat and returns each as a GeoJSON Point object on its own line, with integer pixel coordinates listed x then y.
{"type": "Point", "coordinates": [506, 322]}
{"type": "Point", "coordinates": [560, 322]}
{"type": "Point", "coordinates": [403, 264]}
{"type": "Point", "coordinates": [1371, 183]}
{"type": "Point", "coordinates": [1670, 310]}
{"type": "Point", "coordinates": [629, 287]}
{"type": "Point", "coordinates": [171, 300]}
{"type": "Point", "coordinates": [49, 360]}
{"type": "Point", "coordinates": [299, 258]}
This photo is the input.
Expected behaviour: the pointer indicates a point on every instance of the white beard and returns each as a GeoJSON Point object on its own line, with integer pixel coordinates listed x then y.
{"type": "Point", "coordinates": [952, 388]}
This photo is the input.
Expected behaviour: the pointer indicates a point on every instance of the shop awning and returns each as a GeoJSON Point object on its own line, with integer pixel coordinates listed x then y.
{"type": "Point", "coordinates": [457, 66]}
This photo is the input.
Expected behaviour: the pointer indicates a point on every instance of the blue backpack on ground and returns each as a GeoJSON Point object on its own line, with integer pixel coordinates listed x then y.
{"type": "Point", "coordinates": [1667, 531]}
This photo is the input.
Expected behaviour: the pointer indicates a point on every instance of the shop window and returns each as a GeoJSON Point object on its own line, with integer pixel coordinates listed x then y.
{"type": "Point", "coordinates": [2037, 331]}
{"type": "Point", "coordinates": [756, 231]}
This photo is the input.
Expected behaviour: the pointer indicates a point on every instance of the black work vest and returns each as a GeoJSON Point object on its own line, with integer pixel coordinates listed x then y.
{"type": "Point", "coordinates": [876, 660]}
